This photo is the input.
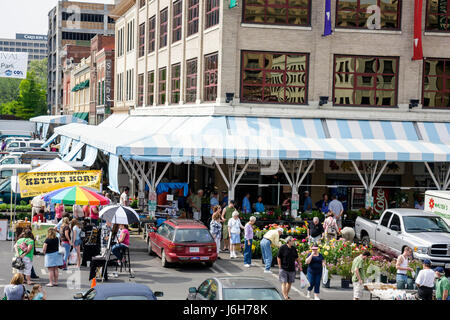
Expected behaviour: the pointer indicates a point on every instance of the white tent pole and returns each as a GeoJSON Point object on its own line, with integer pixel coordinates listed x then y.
{"type": "Point", "coordinates": [305, 173]}
{"type": "Point", "coordinates": [374, 171]}
{"type": "Point", "coordinates": [379, 175]}
{"type": "Point", "coordinates": [126, 167]}
{"type": "Point", "coordinates": [143, 175]}
{"type": "Point", "coordinates": [155, 164]}
{"type": "Point", "coordinates": [299, 171]}
{"type": "Point", "coordinates": [221, 172]}
{"type": "Point", "coordinates": [162, 174]}
{"type": "Point", "coordinates": [359, 174]}
{"type": "Point", "coordinates": [432, 176]}
{"type": "Point", "coordinates": [286, 174]}
{"type": "Point", "coordinates": [241, 174]}
{"type": "Point", "coordinates": [447, 181]}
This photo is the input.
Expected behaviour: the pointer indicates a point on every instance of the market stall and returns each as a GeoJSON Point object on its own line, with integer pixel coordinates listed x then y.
{"type": "Point", "coordinates": [384, 291]}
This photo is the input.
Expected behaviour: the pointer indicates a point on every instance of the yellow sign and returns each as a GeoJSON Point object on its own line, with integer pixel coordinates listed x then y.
{"type": "Point", "coordinates": [35, 183]}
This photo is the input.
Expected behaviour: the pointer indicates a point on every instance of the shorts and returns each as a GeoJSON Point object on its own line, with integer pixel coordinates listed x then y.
{"type": "Point", "coordinates": [235, 238]}
{"type": "Point", "coordinates": [358, 290]}
{"type": "Point", "coordinates": [225, 234]}
{"type": "Point", "coordinates": [287, 276]}
{"type": "Point", "coordinates": [28, 266]}
{"type": "Point", "coordinates": [78, 243]}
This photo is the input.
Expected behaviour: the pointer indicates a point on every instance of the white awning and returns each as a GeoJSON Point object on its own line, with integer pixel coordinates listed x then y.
{"type": "Point", "coordinates": [59, 119]}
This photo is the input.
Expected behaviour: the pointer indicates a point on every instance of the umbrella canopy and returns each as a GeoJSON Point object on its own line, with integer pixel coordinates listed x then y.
{"type": "Point", "coordinates": [119, 214]}
{"type": "Point", "coordinates": [76, 195]}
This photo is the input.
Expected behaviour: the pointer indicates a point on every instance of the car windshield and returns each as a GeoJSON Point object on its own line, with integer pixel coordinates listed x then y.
{"type": "Point", "coordinates": [425, 224]}
{"type": "Point", "coordinates": [193, 236]}
{"type": "Point", "coordinates": [251, 294]}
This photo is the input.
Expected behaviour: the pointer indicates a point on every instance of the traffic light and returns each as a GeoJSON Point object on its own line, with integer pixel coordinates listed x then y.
{"type": "Point", "coordinates": [233, 3]}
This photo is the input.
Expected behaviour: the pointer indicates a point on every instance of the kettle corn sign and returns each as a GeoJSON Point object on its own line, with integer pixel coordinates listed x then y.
{"type": "Point", "coordinates": [35, 183]}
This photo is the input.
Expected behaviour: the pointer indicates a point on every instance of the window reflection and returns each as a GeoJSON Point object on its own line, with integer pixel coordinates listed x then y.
{"type": "Point", "coordinates": [287, 12]}
{"type": "Point", "coordinates": [436, 83]}
{"type": "Point", "coordinates": [438, 15]}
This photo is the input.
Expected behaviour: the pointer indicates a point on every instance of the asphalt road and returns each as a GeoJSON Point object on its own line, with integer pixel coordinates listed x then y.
{"type": "Point", "coordinates": [174, 281]}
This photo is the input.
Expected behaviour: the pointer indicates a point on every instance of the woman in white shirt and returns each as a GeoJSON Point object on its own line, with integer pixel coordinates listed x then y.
{"type": "Point", "coordinates": [234, 230]}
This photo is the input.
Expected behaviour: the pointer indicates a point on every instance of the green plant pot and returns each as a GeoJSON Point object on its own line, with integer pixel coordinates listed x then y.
{"type": "Point", "coordinates": [383, 279]}
{"type": "Point", "coordinates": [326, 285]}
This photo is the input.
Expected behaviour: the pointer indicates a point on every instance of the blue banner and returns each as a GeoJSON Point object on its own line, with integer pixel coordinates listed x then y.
{"type": "Point", "coordinates": [327, 28]}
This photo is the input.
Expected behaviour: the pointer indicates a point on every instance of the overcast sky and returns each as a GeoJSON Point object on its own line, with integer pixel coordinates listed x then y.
{"type": "Point", "coordinates": [28, 16]}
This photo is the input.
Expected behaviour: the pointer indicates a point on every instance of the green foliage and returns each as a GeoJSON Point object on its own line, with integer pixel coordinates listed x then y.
{"type": "Point", "coordinates": [9, 90]}
{"type": "Point", "coordinates": [39, 68]}
{"type": "Point", "coordinates": [10, 108]}
{"type": "Point", "coordinates": [32, 98]}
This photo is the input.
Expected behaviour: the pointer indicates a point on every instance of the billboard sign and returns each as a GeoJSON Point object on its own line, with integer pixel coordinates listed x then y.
{"type": "Point", "coordinates": [13, 64]}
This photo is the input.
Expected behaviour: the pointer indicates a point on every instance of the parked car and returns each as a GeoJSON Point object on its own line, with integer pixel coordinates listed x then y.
{"type": "Point", "coordinates": [29, 156]}
{"type": "Point", "coordinates": [425, 232]}
{"type": "Point", "coordinates": [235, 288]}
{"type": "Point", "coordinates": [119, 291]}
{"type": "Point", "coordinates": [24, 146]}
{"type": "Point", "coordinates": [183, 241]}
{"type": "Point", "coordinates": [8, 170]}
{"type": "Point", "coordinates": [13, 158]}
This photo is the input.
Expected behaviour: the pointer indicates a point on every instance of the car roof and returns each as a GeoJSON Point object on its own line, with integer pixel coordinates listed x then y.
{"type": "Point", "coordinates": [125, 289]}
{"type": "Point", "coordinates": [185, 223]}
{"type": "Point", "coordinates": [238, 282]}
{"type": "Point", "coordinates": [411, 212]}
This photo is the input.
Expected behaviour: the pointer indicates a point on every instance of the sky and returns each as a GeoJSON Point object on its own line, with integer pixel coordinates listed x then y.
{"type": "Point", "coordinates": [28, 16]}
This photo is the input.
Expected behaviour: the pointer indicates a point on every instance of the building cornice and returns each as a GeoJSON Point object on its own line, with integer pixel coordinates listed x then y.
{"type": "Point", "coordinates": [121, 8]}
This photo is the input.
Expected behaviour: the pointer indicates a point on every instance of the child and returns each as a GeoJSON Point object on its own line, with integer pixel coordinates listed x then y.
{"type": "Point", "coordinates": [38, 293]}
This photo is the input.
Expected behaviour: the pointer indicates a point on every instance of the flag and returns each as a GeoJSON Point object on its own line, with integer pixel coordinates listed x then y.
{"type": "Point", "coordinates": [418, 49]}
{"type": "Point", "coordinates": [327, 28]}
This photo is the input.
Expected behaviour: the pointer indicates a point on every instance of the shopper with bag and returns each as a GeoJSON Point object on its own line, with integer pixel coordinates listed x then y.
{"type": "Point", "coordinates": [24, 249]}
{"type": "Point", "coordinates": [76, 242]}
{"type": "Point", "coordinates": [53, 258]}
{"type": "Point", "coordinates": [315, 231]}
{"type": "Point", "coordinates": [330, 226]}
{"type": "Point", "coordinates": [315, 262]}
{"type": "Point", "coordinates": [15, 290]}
{"type": "Point", "coordinates": [287, 255]}
{"type": "Point", "coordinates": [215, 227]}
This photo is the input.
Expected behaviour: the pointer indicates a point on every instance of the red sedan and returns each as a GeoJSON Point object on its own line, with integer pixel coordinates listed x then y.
{"type": "Point", "coordinates": [183, 241]}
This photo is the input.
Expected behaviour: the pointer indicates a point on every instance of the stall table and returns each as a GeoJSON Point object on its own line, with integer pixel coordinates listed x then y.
{"type": "Point", "coordinates": [384, 291]}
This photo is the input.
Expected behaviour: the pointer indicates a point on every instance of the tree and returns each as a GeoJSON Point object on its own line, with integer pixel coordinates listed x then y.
{"type": "Point", "coordinates": [9, 107]}
{"type": "Point", "coordinates": [32, 98]}
{"type": "Point", "coordinates": [39, 68]}
{"type": "Point", "coordinates": [9, 89]}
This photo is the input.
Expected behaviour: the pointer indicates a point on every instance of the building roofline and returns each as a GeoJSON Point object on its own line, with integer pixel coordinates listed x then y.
{"type": "Point", "coordinates": [121, 8]}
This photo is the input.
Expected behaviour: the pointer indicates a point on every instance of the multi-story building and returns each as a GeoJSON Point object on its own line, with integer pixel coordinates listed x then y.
{"type": "Point", "coordinates": [75, 23]}
{"type": "Point", "coordinates": [34, 44]}
{"type": "Point", "coordinates": [80, 81]}
{"type": "Point", "coordinates": [269, 59]}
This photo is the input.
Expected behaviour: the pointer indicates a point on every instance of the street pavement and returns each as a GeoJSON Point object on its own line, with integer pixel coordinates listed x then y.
{"type": "Point", "coordinates": [174, 281]}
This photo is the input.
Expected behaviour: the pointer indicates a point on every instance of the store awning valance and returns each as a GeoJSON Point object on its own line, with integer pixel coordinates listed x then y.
{"type": "Point", "coordinates": [437, 132]}
{"type": "Point", "coordinates": [80, 86]}
{"type": "Point", "coordinates": [221, 137]}
{"type": "Point", "coordinates": [58, 119]}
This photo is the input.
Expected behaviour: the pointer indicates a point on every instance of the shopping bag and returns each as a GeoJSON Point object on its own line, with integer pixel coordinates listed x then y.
{"type": "Point", "coordinates": [324, 275]}
{"type": "Point", "coordinates": [303, 280]}
{"type": "Point", "coordinates": [73, 257]}
{"type": "Point", "coordinates": [18, 263]}
{"type": "Point", "coordinates": [62, 250]}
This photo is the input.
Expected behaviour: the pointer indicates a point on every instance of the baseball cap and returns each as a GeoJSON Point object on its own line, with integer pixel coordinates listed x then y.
{"type": "Point", "coordinates": [314, 247]}
{"type": "Point", "coordinates": [427, 262]}
{"type": "Point", "coordinates": [439, 269]}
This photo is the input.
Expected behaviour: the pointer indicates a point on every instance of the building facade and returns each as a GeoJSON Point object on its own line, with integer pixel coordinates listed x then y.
{"type": "Point", "coordinates": [34, 44]}
{"type": "Point", "coordinates": [270, 59]}
{"type": "Point", "coordinates": [74, 23]}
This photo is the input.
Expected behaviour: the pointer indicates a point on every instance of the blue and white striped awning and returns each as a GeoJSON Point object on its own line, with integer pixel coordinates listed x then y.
{"type": "Point", "coordinates": [437, 132]}
{"type": "Point", "coordinates": [368, 129]}
{"type": "Point", "coordinates": [182, 138]}
{"type": "Point", "coordinates": [59, 119]}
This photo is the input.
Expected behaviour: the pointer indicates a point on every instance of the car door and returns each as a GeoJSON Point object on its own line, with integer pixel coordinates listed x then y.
{"type": "Point", "coordinates": [382, 230]}
{"type": "Point", "coordinates": [167, 239]}
{"type": "Point", "coordinates": [392, 237]}
{"type": "Point", "coordinates": [203, 290]}
{"type": "Point", "coordinates": [160, 234]}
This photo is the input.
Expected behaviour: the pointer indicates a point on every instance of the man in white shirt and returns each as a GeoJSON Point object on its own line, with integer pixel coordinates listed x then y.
{"type": "Point", "coordinates": [336, 207]}
{"type": "Point", "coordinates": [425, 281]}
{"type": "Point", "coordinates": [124, 197]}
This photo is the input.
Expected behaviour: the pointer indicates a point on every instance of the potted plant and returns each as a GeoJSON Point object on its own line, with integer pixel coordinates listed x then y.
{"type": "Point", "coordinates": [344, 268]}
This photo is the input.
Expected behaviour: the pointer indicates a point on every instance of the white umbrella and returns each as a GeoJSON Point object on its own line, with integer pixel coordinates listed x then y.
{"type": "Point", "coordinates": [119, 214]}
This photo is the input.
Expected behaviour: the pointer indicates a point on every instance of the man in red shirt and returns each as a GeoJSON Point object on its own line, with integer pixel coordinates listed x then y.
{"type": "Point", "coordinates": [86, 211]}
{"type": "Point", "coordinates": [39, 216]}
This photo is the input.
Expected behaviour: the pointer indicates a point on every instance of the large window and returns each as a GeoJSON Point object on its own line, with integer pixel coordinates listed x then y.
{"type": "Point", "coordinates": [210, 77]}
{"type": "Point", "coordinates": [361, 13]}
{"type": "Point", "coordinates": [120, 42]}
{"type": "Point", "coordinates": [141, 40]}
{"type": "Point", "coordinates": [191, 81]}
{"type": "Point", "coordinates": [274, 77]}
{"type": "Point", "coordinates": [436, 83]}
{"type": "Point", "coordinates": [130, 36]}
{"type": "Point", "coordinates": [151, 34]}
{"type": "Point", "coordinates": [288, 12]}
{"type": "Point", "coordinates": [141, 89]}
{"type": "Point", "coordinates": [438, 15]}
{"type": "Point", "coordinates": [142, 3]}
{"type": "Point", "coordinates": [175, 79]}
{"type": "Point", "coordinates": [365, 81]}
{"type": "Point", "coordinates": [163, 28]}
{"type": "Point", "coordinates": [120, 87]}
{"type": "Point", "coordinates": [130, 85]}
{"type": "Point", "coordinates": [176, 23]}
{"type": "Point", "coordinates": [150, 87]}
{"type": "Point", "coordinates": [162, 85]}
{"type": "Point", "coordinates": [193, 10]}
{"type": "Point", "coordinates": [212, 13]}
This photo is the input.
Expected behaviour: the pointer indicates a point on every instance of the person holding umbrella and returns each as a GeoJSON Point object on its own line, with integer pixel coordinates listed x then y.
{"type": "Point", "coordinates": [124, 241]}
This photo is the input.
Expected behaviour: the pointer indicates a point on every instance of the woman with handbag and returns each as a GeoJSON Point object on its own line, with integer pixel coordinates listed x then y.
{"type": "Point", "coordinates": [330, 226]}
{"type": "Point", "coordinates": [15, 290]}
{"type": "Point", "coordinates": [24, 249]}
{"type": "Point", "coordinates": [53, 258]}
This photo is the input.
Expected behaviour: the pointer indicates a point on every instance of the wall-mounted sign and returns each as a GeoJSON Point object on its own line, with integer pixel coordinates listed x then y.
{"type": "Point", "coordinates": [13, 64]}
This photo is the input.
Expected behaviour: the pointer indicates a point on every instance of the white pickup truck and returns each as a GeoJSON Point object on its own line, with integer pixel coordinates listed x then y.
{"type": "Point", "coordinates": [425, 232]}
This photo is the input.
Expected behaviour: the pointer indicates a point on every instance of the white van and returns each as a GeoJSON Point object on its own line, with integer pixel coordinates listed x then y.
{"type": "Point", "coordinates": [11, 159]}
{"type": "Point", "coordinates": [438, 202]}
{"type": "Point", "coordinates": [24, 146]}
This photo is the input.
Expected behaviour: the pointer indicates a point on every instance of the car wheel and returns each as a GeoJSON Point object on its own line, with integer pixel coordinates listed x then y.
{"type": "Point", "coordinates": [365, 240]}
{"type": "Point", "coordinates": [209, 264]}
{"type": "Point", "coordinates": [164, 262]}
{"type": "Point", "coordinates": [149, 248]}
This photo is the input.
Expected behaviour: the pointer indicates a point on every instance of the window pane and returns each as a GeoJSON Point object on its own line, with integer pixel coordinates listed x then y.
{"type": "Point", "coordinates": [353, 13]}
{"type": "Point", "coordinates": [287, 12]}
{"type": "Point", "coordinates": [253, 77]}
